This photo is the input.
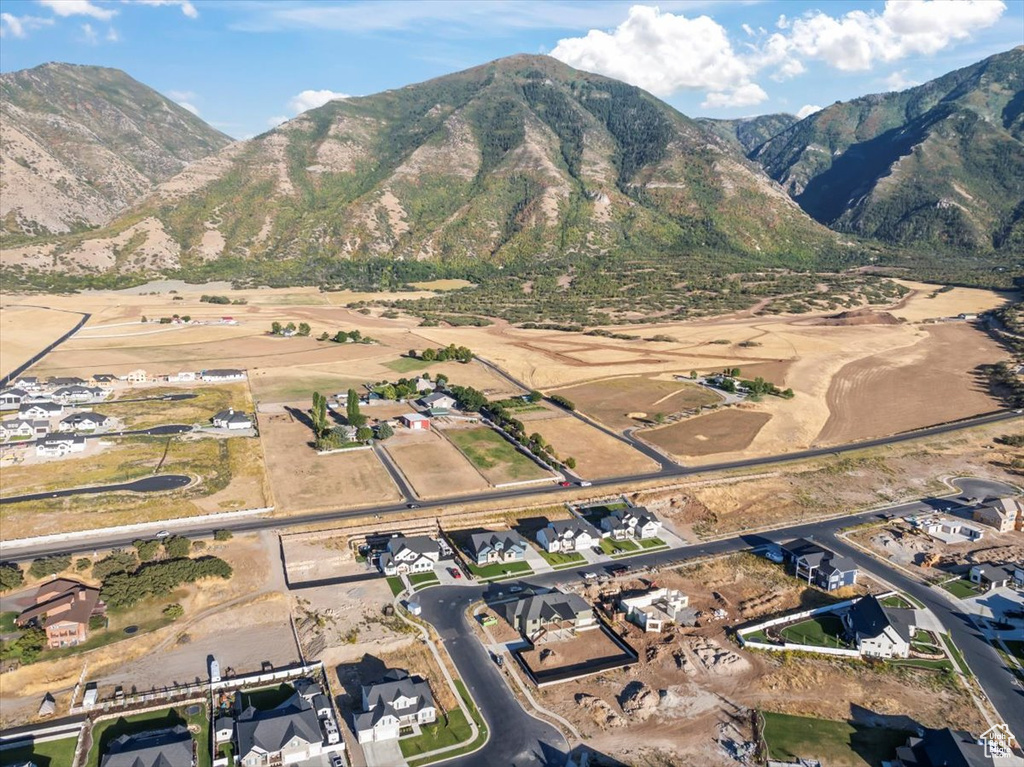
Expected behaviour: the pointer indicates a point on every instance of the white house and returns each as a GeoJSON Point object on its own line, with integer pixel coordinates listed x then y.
{"type": "Point", "coordinates": [424, 385]}
{"type": "Point", "coordinates": [27, 382]}
{"type": "Point", "coordinates": [284, 735]}
{"type": "Point", "coordinates": [182, 376]}
{"type": "Point", "coordinates": [77, 394]}
{"type": "Point", "coordinates": [417, 554]}
{"type": "Point", "coordinates": [23, 429]}
{"type": "Point", "coordinates": [396, 701]}
{"type": "Point", "coordinates": [40, 410]}
{"type": "Point", "coordinates": [438, 401]}
{"type": "Point", "coordinates": [53, 447]}
{"type": "Point", "coordinates": [991, 575]}
{"type": "Point", "coordinates": [223, 728]}
{"type": "Point", "coordinates": [136, 376]}
{"type": "Point", "coordinates": [567, 535]}
{"type": "Point", "coordinates": [12, 397]}
{"type": "Point", "coordinates": [223, 374]}
{"type": "Point", "coordinates": [877, 631]}
{"type": "Point", "coordinates": [84, 422]}
{"type": "Point", "coordinates": [638, 523]}
{"type": "Point", "coordinates": [657, 607]}
{"type": "Point", "coordinates": [232, 419]}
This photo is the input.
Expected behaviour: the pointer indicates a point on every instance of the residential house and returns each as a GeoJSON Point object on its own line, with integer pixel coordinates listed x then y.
{"type": "Point", "coordinates": [491, 548]}
{"type": "Point", "coordinates": [102, 378]}
{"type": "Point", "coordinates": [365, 400]}
{"type": "Point", "coordinates": [991, 575]}
{"type": "Point", "coordinates": [567, 535]}
{"type": "Point", "coordinates": [655, 608]}
{"type": "Point", "coordinates": [438, 403]}
{"type": "Point", "coordinates": [136, 376]}
{"type": "Point", "coordinates": [77, 394]}
{"type": "Point", "coordinates": [283, 735]}
{"type": "Point", "coordinates": [415, 421]}
{"type": "Point", "coordinates": [222, 374]}
{"type": "Point", "coordinates": [943, 748]}
{"type": "Point", "coordinates": [10, 398]}
{"type": "Point", "coordinates": [232, 419]}
{"type": "Point", "coordinates": [31, 383]}
{"type": "Point", "coordinates": [1004, 514]}
{"type": "Point", "coordinates": [169, 747]}
{"type": "Point", "coordinates": [877, 631]}
{"type": "Point", "coordinates": [65, 381]}
{"type": "Point", "coordinates": [554, 611]}
{"type": "Point", "coordinates": [63, 608]}
{"type": "Point", "coordinates": [946, 529]}
{"type": "Point", "coordinates": [1018, 574]}
{"type": "Point", "coordinates": [397, 701]}
{"type": "Point", "coordinates": [820, 566]}
{"type": "Point", "coordinates": [182, 376]}
{"type": "Point", "coordinates": [40, 410]}
{"type": "Point", "coordinates": [56, 447]}
{"type": "Point", "coordinates": [635, 522]}
{"type": "Point", "coordinates": [417, 554]}
{"type": "Point", "coordinates": [85, 422]}
{"type": "Point", "coordinates": [424, 385]}
{"type": "Point", "coordinates": [22, 429]}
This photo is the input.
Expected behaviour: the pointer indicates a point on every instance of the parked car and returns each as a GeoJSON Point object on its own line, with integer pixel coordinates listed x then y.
{"type": "Point", "coordinates": [163, 534]}
{"type": "Point", "coordinates": [498, 659]}
{"type": "Point", "coordinates": [585, 483]}
{"type": "Point", "coordinates": [412, 505]}
{"type": "Point", "coordinates": [618, 569]}
{"type": "Point", "coordinates": [565, 484]}
{"type": "Point", "coordinates": [456, 573]}
{"type": "Point", "coordinates": [337, 761]}
{"type": "Point", "coordinates": [587, 576]}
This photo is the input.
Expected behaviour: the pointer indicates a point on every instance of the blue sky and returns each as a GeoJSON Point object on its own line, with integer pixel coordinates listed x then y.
{"type": "Point", "coordinates": [244, 65]}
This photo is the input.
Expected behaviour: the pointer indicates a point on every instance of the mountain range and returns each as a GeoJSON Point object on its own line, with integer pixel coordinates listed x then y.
{"type": "Point", "coordinates": [518, 160]}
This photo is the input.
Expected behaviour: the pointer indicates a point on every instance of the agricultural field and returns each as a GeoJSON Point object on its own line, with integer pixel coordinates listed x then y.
{"type": "Point", "coordinates": [26, 330]}
{"type": "Point", "coordinates": [433, 466]}
{"type": "Point", "coordinates": [494, 456]}
{"type": "Point", "coordinates": [724, 431]}
{"type": "Point", "coordinates": [597, 454]}
{"type": "Point", "coordinates": [621, 403]}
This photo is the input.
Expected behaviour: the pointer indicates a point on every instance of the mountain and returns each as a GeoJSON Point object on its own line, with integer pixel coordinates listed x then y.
{"type": "Point", "coordinates": [520, 159]}
{"type": "Point", "coordinates": [80, 144]}
{"type": "Point", "coordinates": [748, 133]}
{"type": "Point", "coordinates": [940, 165]}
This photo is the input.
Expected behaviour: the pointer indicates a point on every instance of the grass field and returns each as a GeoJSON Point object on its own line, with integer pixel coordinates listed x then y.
{"type": "Point", "coordinates": [7, 622]}
{"type": "Point", "coordinates": [723, 431]}
{"type": "Point", "coordinates": [267, 698]}
{"type": "Point", "coordinates": [53, 753]}
{"type": "Point", "coordinates": [405, 365]}
{"type": "Point", "coordinates": [962, 588]}
{"type": "Point", "coordinates": [107, 731]}
{"type": "Point", "coordinates": [434, 467]}
{"type": "Point", "coordinates": [396, 585]}
{"type": "Point", "coordinates": [560, 559]}
{"type": "Point", "coordinates": [820, 631]}
{"type": "Point", "coordinates": [423, 579]}
{"type": "Point", "coordinates": [494, 456]}
{"type": "Point", "coordinates": [611, 401]}
{"type": "Point", "coordinates": [608, 546]}
{"type": "Point", "coordinates": [836, 744]}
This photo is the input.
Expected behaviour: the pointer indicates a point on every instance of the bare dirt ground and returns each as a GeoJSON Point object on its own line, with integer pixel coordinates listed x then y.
{"type": "Point", "coordinates": [433, 465]}
{"type": "Point", "coordinates": [934, 559]}
{"type": "Point", "coordinates": [26, 330]}
{"type": "Point", "coordinates": [597, 454]}
{"type": "Point", "coordinates": [722, 432]}
{"type": "Point", "coordinates": [303, 480]}
{"type": "Point", "coordinates": [624, 402]}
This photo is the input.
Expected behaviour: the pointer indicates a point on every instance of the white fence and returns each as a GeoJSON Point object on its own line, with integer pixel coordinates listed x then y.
{"type": "Point", "coordinates": [799, 616]}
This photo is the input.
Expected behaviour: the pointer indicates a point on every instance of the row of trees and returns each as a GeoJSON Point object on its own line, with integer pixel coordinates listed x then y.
{"type": "Point", "coordinates": [277, 329]}
{"type": "Point", "coordinates": [444, 354]}
{"type": "Point", "coordinates": [404, 388]}
{"type": "Point", "coordinates": [347, 336]}
{"type": "Point", "coordinates": [127, 588]}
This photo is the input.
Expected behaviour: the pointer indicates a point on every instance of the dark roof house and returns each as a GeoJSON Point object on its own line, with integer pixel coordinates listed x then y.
{"type": "Point", "coordinates": [943, 748]}
{"type": "Point", "coordinates": [172, 747]}
{"type": "Point", "coordinates": [293, 726]}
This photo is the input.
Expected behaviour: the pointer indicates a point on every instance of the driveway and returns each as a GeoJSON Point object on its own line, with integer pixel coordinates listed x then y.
{"type": "Point", "coordinates": [385, 753]}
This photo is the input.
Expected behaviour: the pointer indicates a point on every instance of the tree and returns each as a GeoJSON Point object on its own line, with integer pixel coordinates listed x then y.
{"type": "Point", "coordinates": [275, 328]}
{"type": "Point", "coordinates": [441, 380]}
{"type": "Point", "coordinates": [82, 564]}
{"type": "Point", "coordinates": [659, 418]}
{"type": "Point", "coordinates": [412, 354]}
{"type": "Point", "coordinates": [10, 576]}
{"type": "Point", "coordinates": [174, 611]}
{"type": "Point", "coordinates": [147, 550]}
{"type": "Point", "coordinates": [51, 565]}
{"type": "Point", "coordinates": [290, 327]}
{"type": "Point", "coordinates": [186, 318]}
{"type": "Point", "coordinates": [177, 547]}
{"type": "Point", "coordinates": [222, 535]}
{"type": "Point", "coordinates": [734, 372]}
{"type": "Point", "coordinates": [145, 318]}
{"type": "Point", "coordinates": [788, 394]}
{"type": "Point", "coordinates": [304, 329]}
{"type": "Point", "coordinates": [352, 408]}
{"type": "Point", "coordinates": [693, 375]}
{"type": "Point", "coordinates": [429, 355]}
{"type": "Point", "coordinates": [318, 414]}
{"type": "Point", "coordinates": [570, 462]}
{"type": "Point", "coordinates": [324, 337]}
{"type": "Point", "coordinates": [384, 431]}
{"type": "Point", "coordinates": [117, 561]}
{"type": "Point", "coordinates": [535, 396]}
{"type": "Point", "coordinates": [364, 434]}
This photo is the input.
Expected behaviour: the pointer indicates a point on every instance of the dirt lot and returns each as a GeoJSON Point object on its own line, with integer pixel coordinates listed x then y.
{"type": "Point", "coordinates": [900, 543]}
{"type": "Point", "coordinates": [624, 402]}
{"type": "Point", "coordinates": [432, 465]}
{"type": "Point", "coordinates": [894, 391]}
{"type": "Point", "coordinates": [305, 481]}
{"type": "Point", "coordinates": [27, 330]}
{"type": "Point", "coordinates": [724, 431]}
{"type": "Point", "coordinates": [559, 654]}
{"type": "Point", "coordinates": [493, 456]}
{"type": "Point", "coordinates": [597, 454]}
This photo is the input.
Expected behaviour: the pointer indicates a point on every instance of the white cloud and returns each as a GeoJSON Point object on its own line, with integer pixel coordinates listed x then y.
{"type": "Point", "coordinates": [899, 81]}
{"type": "Point", "coordinates": [78, 8]}
{"type": "Point", "coordinates": [662, 53]}
{"type": "Point", "coordinates": [90, 34]}
{"type": "Point", "coordinates": [276, 120]}
{"type": "Point", "coordinates": [113, 36]}
{"type": "Point", "coordinates": [312, 99]}
{"type": "Point", "coordinates": [859, 40]}
{"type": "Point", "coordinates": [20, 26]}
{"type": "Point", "coordinates": [189, 107]}
{"type": "Point", "coordinates": [186, 6]}
{"type": "Point", "coordinates": [807, 110]}
{"type": "Point", "coordinates": [743, 96]}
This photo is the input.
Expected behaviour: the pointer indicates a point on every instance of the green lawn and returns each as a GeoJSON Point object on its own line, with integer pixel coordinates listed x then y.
{"type": "Point", "coordinates": [397, 587]}
{"type": "Point", "coordinates": [54, 753]}
{"type": "Point", "coordinates": [651, 543]}
{"type": "Point", "coordinates": [438, 735]}
{"type": "Point", "coordinates": [7, 625]}
{"type": "Point", "coordinates": [837, 744]}
{"type": "Point", "coordinates": [267, 698]}
{"type": "Point", "coordinates": [820, 631]}
{"type": "Point", "coordinates": [559, 559]}
{"type": "Point", "coordinates": [1016, 648]}
{"type": "Point", "coordinates": [420, 579]}
{"type": "Point", "coordinates": [105, 732]}
{"type": "Point", "coordinates": [936, 665]}
{"type": "Point", "coordinates": [895, 601]}
{"type": "Point", "coordinates": [407, 365]}
{"type": "Point", "coordinates": [608, 546]}
{"type": "Point", "coordinates": [954, 652]}
{"type": "Point", "coordinates": [468, 747]}
{"type": "Point", "coordinates": [499, 569]}
{"type": "Point", "coordinates": [493, 455]}
{"type": "Point", "coordinates": [961, 588]}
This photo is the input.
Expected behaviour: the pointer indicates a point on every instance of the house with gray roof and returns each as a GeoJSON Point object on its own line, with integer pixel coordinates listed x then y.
{"type": "Point", "coordinates": [535, 615]}
{"type": "Point", "coordinates": [567, 535]}
{"type": "Point", "coordinates": [11, 398]}
{"type": "Point", "coordinates": [222, 374]}
{"type": "Point", "coordinates": [416, 554]}
{"type": "Point", "coordinates": [84, 422]}
{"type": "Point", "coordinates": [283, 735]}
{"type": "Point", "coordinates": [822, 567]}
{"type": "Point", "coordinates": [169, 747]}
{"type": "Point", "coordinates": [877, 631]}
{"type": "Point", "coordinates": [1004, 514]}
{"type": "Point", "coordinates": [492, 548]}
{"type": "Point", "coordinates": [991, 575]}
{"type": "Point", "coordinates": [438, 402]}
{"type": "Point", "coordinates": [634, 522]}
{"type": "Point", "coordinates": [78, 394]}
{"type": "Point", "coordinates": [57, 447]}
{"type": "Point", "coordinates": [40, 409]}
{"type": "Point", "coordinates": [397, 701]}
{"type": "Point", "coordinates": [232, 419]}
{"type": "Point", "coordinates": [943, 748]}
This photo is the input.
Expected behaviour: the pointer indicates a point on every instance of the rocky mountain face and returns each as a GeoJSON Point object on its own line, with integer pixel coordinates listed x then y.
{"type": "Point", "coordinates": [521, 159]}
{"type": "Point", "coordinates": [940, 165]}
{"type": "Point", "coordinates": [748, 133]}
{"type": "Point", "coordinates": [80, 144]}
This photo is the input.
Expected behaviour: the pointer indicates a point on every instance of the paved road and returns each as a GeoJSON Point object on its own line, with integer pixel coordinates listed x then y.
{"type": "Point", "coordinates": [154, 431]}
{"type": "Point", "coordinates": [396, 475]}
{"type": "Point", "coordinates": [22, 368]}
{"type": "Point", "coordinates": [154, 484]}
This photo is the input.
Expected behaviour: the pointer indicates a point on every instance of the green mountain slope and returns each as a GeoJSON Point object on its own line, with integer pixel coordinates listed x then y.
{"type": "Point", "coordinates": [940, 165]}
{"type": "Point", "coordinates": [748, 133]}
{"type": "Point", "coordinates": [79, 144]}
{"type": "Point", "coordinates": [507, 163]}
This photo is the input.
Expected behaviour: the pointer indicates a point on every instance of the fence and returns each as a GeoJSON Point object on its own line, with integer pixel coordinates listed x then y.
{"type": "Point", "coordinates": [628, 657]}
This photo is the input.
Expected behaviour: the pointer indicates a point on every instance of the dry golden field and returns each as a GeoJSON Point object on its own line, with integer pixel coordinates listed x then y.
{"type": "Point", "coordinates": [25, 330]}
{"type": "Point", "coordinates": [597, 454]}
{"type": "Point", "coordinates": [433, 466]}
{"type": "Point", "coordinates": [723, 431]}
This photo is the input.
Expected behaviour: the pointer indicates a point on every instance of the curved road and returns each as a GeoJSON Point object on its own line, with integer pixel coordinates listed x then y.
{"type": "Point", "coordinates": [154, 484]}
{"type": "Point", "coordinates": [154, 431]}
